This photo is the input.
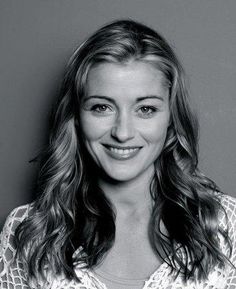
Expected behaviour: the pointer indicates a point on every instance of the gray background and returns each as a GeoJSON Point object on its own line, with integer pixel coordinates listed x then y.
{"type": "Point", "coordinates": [36, 39]}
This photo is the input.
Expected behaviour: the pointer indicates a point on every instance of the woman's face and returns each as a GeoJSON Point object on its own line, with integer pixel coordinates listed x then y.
{"type": "Point", "coordinates": [124, 118]}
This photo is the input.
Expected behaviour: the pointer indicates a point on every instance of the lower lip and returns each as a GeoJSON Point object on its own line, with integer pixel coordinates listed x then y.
{"type": "Point", "coordinates": [122, 157]}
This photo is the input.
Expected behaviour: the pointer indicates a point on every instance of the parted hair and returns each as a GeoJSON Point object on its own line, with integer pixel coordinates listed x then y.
{"type": "Point", "coordinates": [71, 220]}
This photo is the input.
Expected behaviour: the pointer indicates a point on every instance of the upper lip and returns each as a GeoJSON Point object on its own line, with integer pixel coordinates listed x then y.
{"type": "Point", "coordinates": [122, 147]}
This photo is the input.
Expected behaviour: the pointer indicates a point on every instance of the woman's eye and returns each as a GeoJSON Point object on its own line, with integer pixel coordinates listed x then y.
{"type": "Point", "coordinates": [147, 111]}
{"type": "Point", "coordinates": [101, 108]}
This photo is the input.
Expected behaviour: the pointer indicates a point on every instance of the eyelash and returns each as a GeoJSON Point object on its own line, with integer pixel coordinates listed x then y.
{"type": "Point", "coordinates": [151, 109]}
{"type": "Point", "coordinates": [97, 108]}
{"type": "Point", "coordinates": [103, 108]}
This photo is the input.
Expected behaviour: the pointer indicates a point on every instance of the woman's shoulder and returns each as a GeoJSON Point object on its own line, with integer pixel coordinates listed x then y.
{"type": "Point", "coordinates": [11, 271]}
{"type": "Point", "coordinates": [227, 221]}
{"type": "Point", "coordinates": [20, 212]}
{"type": "Point", "coordinates": [15, 217]}
{"type": "Point", "coordinates": [227, 212]}
{"type": "Point", "coordinates": [228, 203]}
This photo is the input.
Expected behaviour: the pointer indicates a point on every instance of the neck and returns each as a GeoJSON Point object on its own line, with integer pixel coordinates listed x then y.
{"type": "Point", "coordinates": [131, 196]}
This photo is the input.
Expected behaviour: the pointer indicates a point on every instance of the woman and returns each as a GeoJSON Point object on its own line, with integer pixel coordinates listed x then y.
{"type": "Point", "coordinates": [121, 201]}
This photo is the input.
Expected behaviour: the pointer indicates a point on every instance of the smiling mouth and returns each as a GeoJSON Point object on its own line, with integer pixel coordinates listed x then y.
{"type": "Point", "coordinates": [122, 153]}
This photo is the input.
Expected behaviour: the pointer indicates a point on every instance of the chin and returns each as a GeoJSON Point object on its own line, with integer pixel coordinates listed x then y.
{"type": "Point", "coordinates": [119, 175]}
{"type": "Point", "coordinates": [124, 175]}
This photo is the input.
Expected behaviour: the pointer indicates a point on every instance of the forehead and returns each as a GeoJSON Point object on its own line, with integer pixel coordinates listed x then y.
{"type": "Point", "coordinates": [133, 78]}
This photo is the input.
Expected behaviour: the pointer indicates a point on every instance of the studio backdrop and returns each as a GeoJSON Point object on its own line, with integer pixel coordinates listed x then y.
{"type": "Point", "coordinates": [38, 36]}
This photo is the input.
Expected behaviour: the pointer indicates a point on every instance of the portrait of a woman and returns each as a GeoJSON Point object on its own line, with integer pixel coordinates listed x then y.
{"type": "Point", "coordinates": [121, 200]}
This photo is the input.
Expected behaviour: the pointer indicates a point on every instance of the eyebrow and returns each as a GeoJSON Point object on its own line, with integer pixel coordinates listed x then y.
{"type": "Point", "coordinates": [150, 97]}
{"type": "Point", "coordinates": [141, 98]}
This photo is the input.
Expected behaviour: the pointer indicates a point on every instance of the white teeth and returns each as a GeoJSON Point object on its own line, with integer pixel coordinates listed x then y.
{"type": "Point", "coordinates": [122, 151]}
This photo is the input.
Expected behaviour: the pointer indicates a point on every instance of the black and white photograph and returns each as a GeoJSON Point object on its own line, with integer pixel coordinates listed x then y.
{"type": "Point", "coordinates": [117, 144]}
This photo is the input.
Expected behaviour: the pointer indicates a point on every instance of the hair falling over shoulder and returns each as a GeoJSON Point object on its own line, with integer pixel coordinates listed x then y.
{"type": "Point", "coordinates": [71, 212]}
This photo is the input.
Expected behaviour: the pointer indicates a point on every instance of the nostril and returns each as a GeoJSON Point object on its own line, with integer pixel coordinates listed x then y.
{"type": "Point", "coordinates": [123, 128]}
{"type": "Point", "coordinates": [122, 133]}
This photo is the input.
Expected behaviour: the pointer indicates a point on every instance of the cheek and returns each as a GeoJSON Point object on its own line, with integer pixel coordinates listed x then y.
{"type": "Point", "coordinates": [93, 129]}
{"type": "Point", "coordinates": [155, 132]}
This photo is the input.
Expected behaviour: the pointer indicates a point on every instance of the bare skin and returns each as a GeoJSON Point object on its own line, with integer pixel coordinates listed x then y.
{"type": "Point", "coordinates": [132, 248]}
{"type": "Point", "coordinates": [124, 118]}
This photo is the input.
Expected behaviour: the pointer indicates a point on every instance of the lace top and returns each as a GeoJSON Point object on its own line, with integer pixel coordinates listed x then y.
{"type": "Point", "coordinates": [13, 276]}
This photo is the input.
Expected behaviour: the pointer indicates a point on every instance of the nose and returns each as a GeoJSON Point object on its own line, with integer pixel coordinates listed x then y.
{"type": "Point", "coordinates": [123, 128]}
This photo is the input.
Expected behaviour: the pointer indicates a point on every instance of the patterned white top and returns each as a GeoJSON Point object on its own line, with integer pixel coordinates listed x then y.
{"type": "Point", "coordinates": [12, 274]}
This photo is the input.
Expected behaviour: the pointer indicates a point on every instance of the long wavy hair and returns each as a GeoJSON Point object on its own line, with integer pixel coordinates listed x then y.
{"type": "Point", "coordinates": [71, 212]}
